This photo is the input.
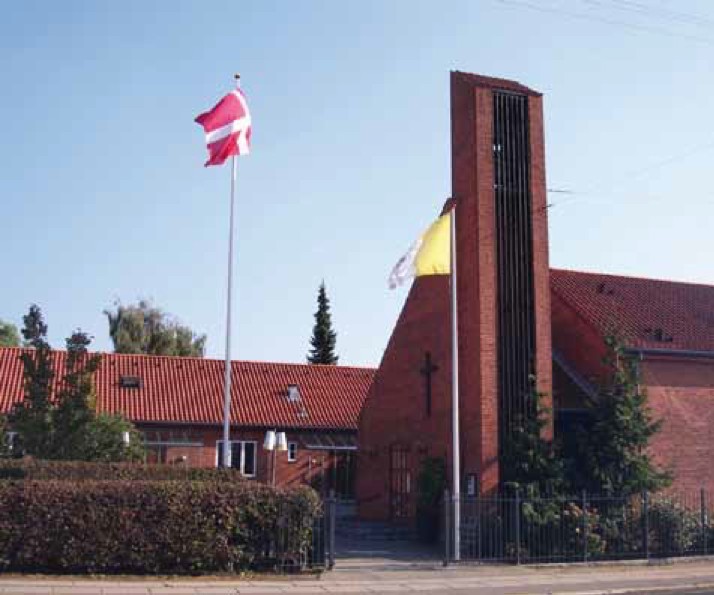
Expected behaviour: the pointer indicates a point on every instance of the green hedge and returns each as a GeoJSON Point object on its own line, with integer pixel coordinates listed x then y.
{"type": "Point", "coordinates": [163, 527]}
{"type": "Point", "coordinates": [32, 469]}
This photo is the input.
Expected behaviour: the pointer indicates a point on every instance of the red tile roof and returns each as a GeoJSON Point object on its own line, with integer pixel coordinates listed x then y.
{"type": "Point", "coordinates": [649, 313]}
{"type": "Point", "coordinates": [182, 389]}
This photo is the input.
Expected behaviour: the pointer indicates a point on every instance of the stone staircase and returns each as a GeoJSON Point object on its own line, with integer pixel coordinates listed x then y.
{"type": "Point", "coordinates": [350, 528]}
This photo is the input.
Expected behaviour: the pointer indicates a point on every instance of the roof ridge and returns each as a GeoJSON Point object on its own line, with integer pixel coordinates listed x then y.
{"type": "Point", "coordinates": [109, 354]}
{"type": "Point", "coordinates": [634, 277]}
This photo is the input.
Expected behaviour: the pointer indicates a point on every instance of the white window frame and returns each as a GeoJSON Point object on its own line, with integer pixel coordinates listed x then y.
{"type": "Point", "coordinates": [241, 465]}
{"type": "Point", "coordinates": [292, 458]}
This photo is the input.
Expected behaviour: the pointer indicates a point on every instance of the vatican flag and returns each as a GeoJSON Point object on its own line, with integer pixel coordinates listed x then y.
{"type": "Point", "coordinates": [429, 255]}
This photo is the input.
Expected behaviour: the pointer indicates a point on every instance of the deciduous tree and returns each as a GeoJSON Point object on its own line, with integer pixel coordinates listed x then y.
{"type": "Point", "coordinates": [144, 328]}
{"type": "Point", "coordinates": [9, 336]}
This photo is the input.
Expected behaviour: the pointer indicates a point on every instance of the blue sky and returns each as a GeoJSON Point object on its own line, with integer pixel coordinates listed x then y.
{"type": "Point", "coordinates": [103, 195]}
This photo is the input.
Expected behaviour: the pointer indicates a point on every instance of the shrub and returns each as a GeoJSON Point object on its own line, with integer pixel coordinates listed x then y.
{"type": "Point", "coordinates": [578, 528]}
{"type": "Point", "coordinates": [151, 526]}
{"type": "Point", "coordinates": [674, 528]}
{"type": "Point", "coordinates": [39, 470]}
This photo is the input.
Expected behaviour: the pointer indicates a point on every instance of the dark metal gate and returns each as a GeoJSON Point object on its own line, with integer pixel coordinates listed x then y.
{"type": "Point", "coordinates": [399, 482]}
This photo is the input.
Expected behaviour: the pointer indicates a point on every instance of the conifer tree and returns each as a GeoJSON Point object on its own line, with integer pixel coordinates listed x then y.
{"type": "Point", "coordinates": [65, 424]}
{"type": "Point", "coordinates": [530, 462]}
{"type": "Point", "coordinates": [323, 338]}
{"type": "Point", "coordinates": [32, 419]}
{"type": "Point", "coordinates": [614, 455]}
{"type": "Point", "coordinates": [76, 400]}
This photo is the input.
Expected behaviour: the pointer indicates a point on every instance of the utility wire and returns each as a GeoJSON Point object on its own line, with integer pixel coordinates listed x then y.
{"type": "Point", "coordinates": [654, 12]}
{"type": "Point", "coordinates": [606, 20]}
{"type": "Point", "coordinates": [637, 173]}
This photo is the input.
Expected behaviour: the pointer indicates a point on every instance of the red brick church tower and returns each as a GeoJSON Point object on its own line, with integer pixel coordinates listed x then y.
{"type": "Point", "coordinates": [498, 183]}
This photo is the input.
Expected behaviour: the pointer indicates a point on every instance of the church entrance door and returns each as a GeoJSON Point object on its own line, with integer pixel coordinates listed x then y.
{"type": "Point", "coordinates": [399, 482]}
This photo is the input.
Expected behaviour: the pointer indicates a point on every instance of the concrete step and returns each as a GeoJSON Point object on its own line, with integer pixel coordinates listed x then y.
{"type": "Point", "coordinates": [372, 531]}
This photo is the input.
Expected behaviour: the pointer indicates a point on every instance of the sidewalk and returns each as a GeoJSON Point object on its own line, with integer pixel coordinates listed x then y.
{"type": "Point", "coordinates": [682, 576]}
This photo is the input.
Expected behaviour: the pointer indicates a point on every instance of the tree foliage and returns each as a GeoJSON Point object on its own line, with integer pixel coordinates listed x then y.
{"type": "Point", "coordinates": [145, 328]}
{"type": "Point", "coordinates": [613, 455]}
{"type": "Point", "coordinates": [32, 418]}
{"type": "Point", "coordinates": [9, 335]}
{"type": "Point", "coordinates": [324, 338]}
{"type": "Point", "coordinates": [59, 420]}
{"type": "Point", "coordinates": [530, 462]}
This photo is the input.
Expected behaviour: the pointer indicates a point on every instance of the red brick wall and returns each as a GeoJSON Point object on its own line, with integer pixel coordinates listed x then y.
{"type": "Point", "coordinates": [541, 266]}
{"type": "Point", "coordinates": [577, 341]}
{"type": "Point", "coordinates": [308, 465]}
{"type": "Point", "coordinates": [472, 187]}
{"type": "Point", "coordinates": [681, 393]}
{"type": "Point", "coordinates": [395, 411]}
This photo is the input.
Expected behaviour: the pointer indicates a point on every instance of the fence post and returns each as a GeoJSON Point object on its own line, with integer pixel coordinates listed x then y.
{"type": "Point", "coordinates": [586, 526]}
{"type": "Point", "coordinates": [517, 525]}
{"type": "Point", "coordinates": [331, 531]}
{"type": "Point", "coordinates": [447, 526]}
{"type": "Point", "coordinates": [703, 519]}
{"type": "Point", "coordinates": [646, 523]}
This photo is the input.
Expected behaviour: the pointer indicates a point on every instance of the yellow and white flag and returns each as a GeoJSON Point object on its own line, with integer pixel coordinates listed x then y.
{"type": "Point", "coordinates": [429, 255]}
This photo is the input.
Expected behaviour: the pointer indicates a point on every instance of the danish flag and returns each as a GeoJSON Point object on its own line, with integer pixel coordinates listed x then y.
{"type": "Point", "coordinates": [228, 128]}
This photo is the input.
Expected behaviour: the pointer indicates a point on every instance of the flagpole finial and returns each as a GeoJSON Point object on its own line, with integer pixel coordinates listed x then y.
{"type": "Point", "coordinates": [236, 76]}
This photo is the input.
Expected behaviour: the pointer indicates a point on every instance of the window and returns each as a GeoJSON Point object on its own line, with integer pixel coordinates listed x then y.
{"type": "Point", "coordinates": [129, 381]}
{"type": "Point", "coordinates": [243, 456]}
{"type": "Point", "coordinates": [156, 454]}
{"type": "Point", "coordinates": [292, 452]}
{"type": "Point", "coordinates": [293, 393]}
{"type": "Point", "coordinates": [159, 443]}
{"type": "Point", "coordinates": [11, 438]}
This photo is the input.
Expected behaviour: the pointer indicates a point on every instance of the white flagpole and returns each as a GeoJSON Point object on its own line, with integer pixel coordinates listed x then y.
{"type": "Point", "coordinates": [455, 445]}
{"type": "Point", "coordinates": [227, 386]}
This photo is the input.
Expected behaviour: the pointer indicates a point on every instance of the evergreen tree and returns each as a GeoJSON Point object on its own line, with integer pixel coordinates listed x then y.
{"type": "Point", "coordinates": [144, 328]}
{"type": "Point", "coordinates": [530, 462]}
{"type": "Point", "coordinates": [76, 400]}
{"type": "Point", "coordinates": [65, 425]}
{"type": "Point", "coordinates": [9, 336]}
{"type": "Point", "coordinates": [32, 419]}
{"type": "Point", "coordinates": [614, 457]}
{"type": "Point", "coordinates": [323, 338]}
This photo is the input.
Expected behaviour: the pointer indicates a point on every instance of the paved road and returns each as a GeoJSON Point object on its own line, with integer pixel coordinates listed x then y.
{"type": "Point", "coordinates": [691, 577]}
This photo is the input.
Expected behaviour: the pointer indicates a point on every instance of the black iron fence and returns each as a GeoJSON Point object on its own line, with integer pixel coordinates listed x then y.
{"type": "Point", "coordinates": [515, 529]}
{"type": "Point", "coordinates": [297, 547]}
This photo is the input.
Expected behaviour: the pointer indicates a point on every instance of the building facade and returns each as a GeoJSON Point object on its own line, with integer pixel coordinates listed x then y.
{"type": "Point", "coordinates": [517, 321]}
{"type": "Point", "coordinates": [499, 195]}
{"type": "Point", "coordinates": [669, 328]}
{"type": "Point", "coordinates": [177, 405]}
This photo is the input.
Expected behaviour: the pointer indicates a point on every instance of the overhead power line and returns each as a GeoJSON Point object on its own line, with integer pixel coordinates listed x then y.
{"type": "Point", "coordinates": [606, 20]}
{"type": "Point", "coordinates": [634, 174]}
{"type": "Point", "coordinates": [655, 12]}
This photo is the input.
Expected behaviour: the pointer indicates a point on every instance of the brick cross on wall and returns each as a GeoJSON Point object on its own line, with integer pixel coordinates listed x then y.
{"type": "Point", "coordinates": [427, 370]}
